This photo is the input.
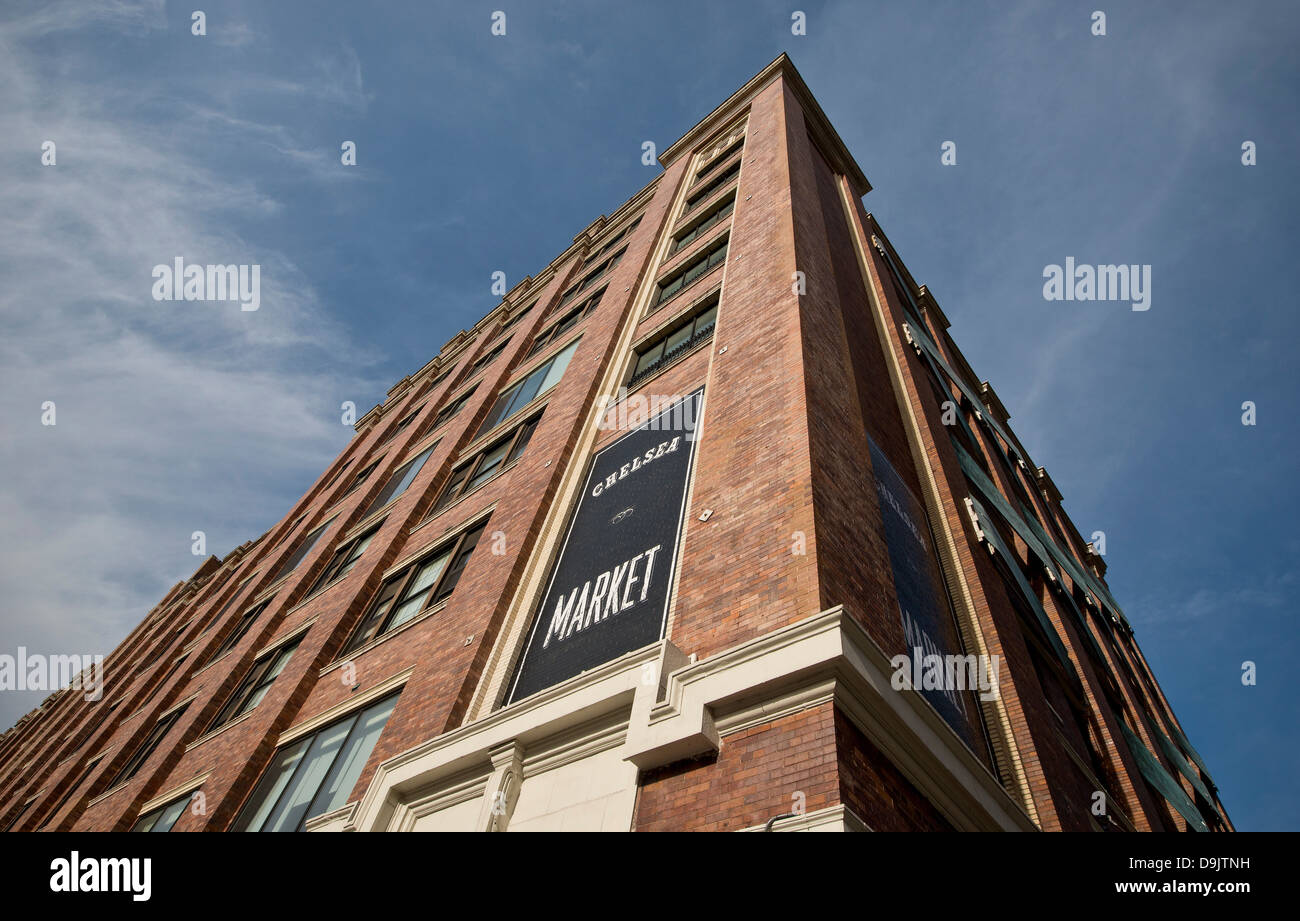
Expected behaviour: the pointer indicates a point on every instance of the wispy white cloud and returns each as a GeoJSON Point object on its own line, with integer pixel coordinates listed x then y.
{"type": "Point", "coordinates": [37, 20]}
{"type": "Point", "coordinates": [332, 78]}
{"type": "Point", "coordinates": [172, 417]}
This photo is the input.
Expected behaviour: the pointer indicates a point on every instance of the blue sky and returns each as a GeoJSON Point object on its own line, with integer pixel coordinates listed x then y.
{"type": "Point", "coordinates": [479, 153]}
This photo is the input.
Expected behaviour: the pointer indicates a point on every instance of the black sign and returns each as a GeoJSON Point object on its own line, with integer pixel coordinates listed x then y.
{"type": "Point", "coordinates": [928, 622]}
{"type": "Point", "coordinates": [608, 592]}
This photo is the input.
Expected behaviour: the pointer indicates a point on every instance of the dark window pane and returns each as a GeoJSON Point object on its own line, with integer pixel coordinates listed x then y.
{"type": "Point", "coordinates": [452, 489]}
{"type": "Point", "coordinates": [245, 622]}
{"type": "Point", "coordinates": [374, 619]}
{"type": "Point", "coordinates": [458, 565]}
{"type": "Point", "coordinates": [413, 599]}
{"type": "Point", "coordinates": [491, 461]}
{"type": "Point", "coordinates": [522, 441]}
{"type": "Point", "coordinates": [526, 390]}
{"type": "Point", "coordinates": [147, 747]}
{"type": "Point", "coordinates": [678, 337]}
{"type": "Point", "coordinates": [705, 320]}
{"type": "Point", "coordinates": [399, 481]}
{"type": "Point", "coordinates": [649, 358]}
{"type": "Point", "coordinates": [302, 550]}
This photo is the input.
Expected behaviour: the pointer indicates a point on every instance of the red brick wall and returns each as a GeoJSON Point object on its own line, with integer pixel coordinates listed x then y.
{"type": "Point", "coordinates": [874, 789]}
{"type": "Point", "coordinates": [753, 468]}
{"type": "Point", "coordinates": [753, 778]}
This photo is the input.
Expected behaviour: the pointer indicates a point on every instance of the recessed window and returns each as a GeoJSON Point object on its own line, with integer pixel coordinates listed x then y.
{"type": "Point", "coordinates": [441, 377]}
{"type": "Point", "coordinates": [488, 358]}
{"type": "Point", "coordinates": [611, 242]}
{"type": "Point", "coordinates": [315, 774]}
{"type": "Point", "coordinates": [255, 684]}
{"type": "Point", "coordinates": [556, 332]}
{"type": "Point", "coordinates": [246, 621]}
{"type": "Point", "coordinates": [147, 747]}
{"type": "Point", "coordinates": [715, 215]}
{"type": "Point", "coordinates": [164, 817]}
{"type": "Point", "coordinates": [416, 588]}
{"type": "Point", "coordinates": [712, 186]}
{"type": "Point", "coordinates": [451, 409]}
{"type": "Point", "coordinates": [304, 548]}
{"type": "Point", "coordinates": [539, 381]}
{"type": "Point", "coordinates": [338, 473]}
{"type": "Point", "coordinates": [362, 475]}
{"type": "Point", "coordinates": [67, 794]}
{"type": "Point", "coordinates": [401, 426]}
{"type": "Point", "coordinates": [159, 685]}
{"type": "Point", "coordinates": [688, 274]}
{"type": "Point", "coordinates": [510, 324]}
{"type": "Point", "coordinates": [21, 812]}
{"type": "Point", "coordinates": [399, 481]}
{"type": "Point", "coordinates": [592, 277]}
{"type": "Point", "coordinates": [345, 557]}
{"type": "Point", "coordinates": [718, 159]}
{"type": "Point", "coordinates": [681, 338]}
{"type": "Point", "coordinates": [515, 318]}
{"type": "Point", "coordinates": [486, 464]}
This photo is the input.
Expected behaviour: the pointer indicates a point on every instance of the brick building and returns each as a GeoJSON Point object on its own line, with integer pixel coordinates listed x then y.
{"type": "Point", "coordinates": [641, 550]}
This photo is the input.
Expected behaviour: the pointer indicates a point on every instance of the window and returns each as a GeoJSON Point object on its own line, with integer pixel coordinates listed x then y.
{"type": "Point", "coordinates": [159, 685]}
{"type": "Point", "coordinates": [401, 426]}
{"type": "Point", "coordinates": [255, 684]}
{"type": "Point", "coordinates": [519, 314]}
{"type": "Point", "coordinates": [553, 333]}
{"type": "Point", "coordinates": [514, 398]}
{"type": "Point", "coordinates": [339, 473]}
{"type": "Point", "coordinates": [712, 186]}
{"type": "Point", "coordinates": [590, 304]}
{"type": "Point", "coordinates": [216, 618]}
{"type": "Point", "coordinates": [400, 479]}
{"type": "Point", "coordinates": [164, 817]}
{"type": "Point", "coordinates": [315, 774]}
{"type": "Point", "coordinates": [441, 377]}
{"type": "Point", "coordinates": [681, 338]}
{"type": "Point", "coordinates": [304, 548]}
{"type": "Point", "coordinates": [515, 318]}
{"type": "Point", "coordinates": [67, 795]}
{"type": "Point", "coordinates": [452, 408]}
{"type": "Point", "coordinates": [686, 276]}
{"type": "Point", "coordinates": [593, 277]}
{"type": "Point", "coordinates": [147, 747]}
{"type": "Point", "coordinates": [712, 217]}
{"type": "Point", "coordinates": [486, 359]}
{"type": "Point", "coordinates": [245, 623]}
{"type": "Point", "coordinates": [719, 159]}
{"type": "Point", "coordinates": [21, 812]}
{"type": "Point", "coordinates": [418, 587]}
{"type": "Point", "coordinates": [486, 464]}
{"type": "Point", "coordinates": [362, 475]}
{"type": "Point", "coordinates": [344, 559]}
{"type": "Point", "coordinates": [611, 242]}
